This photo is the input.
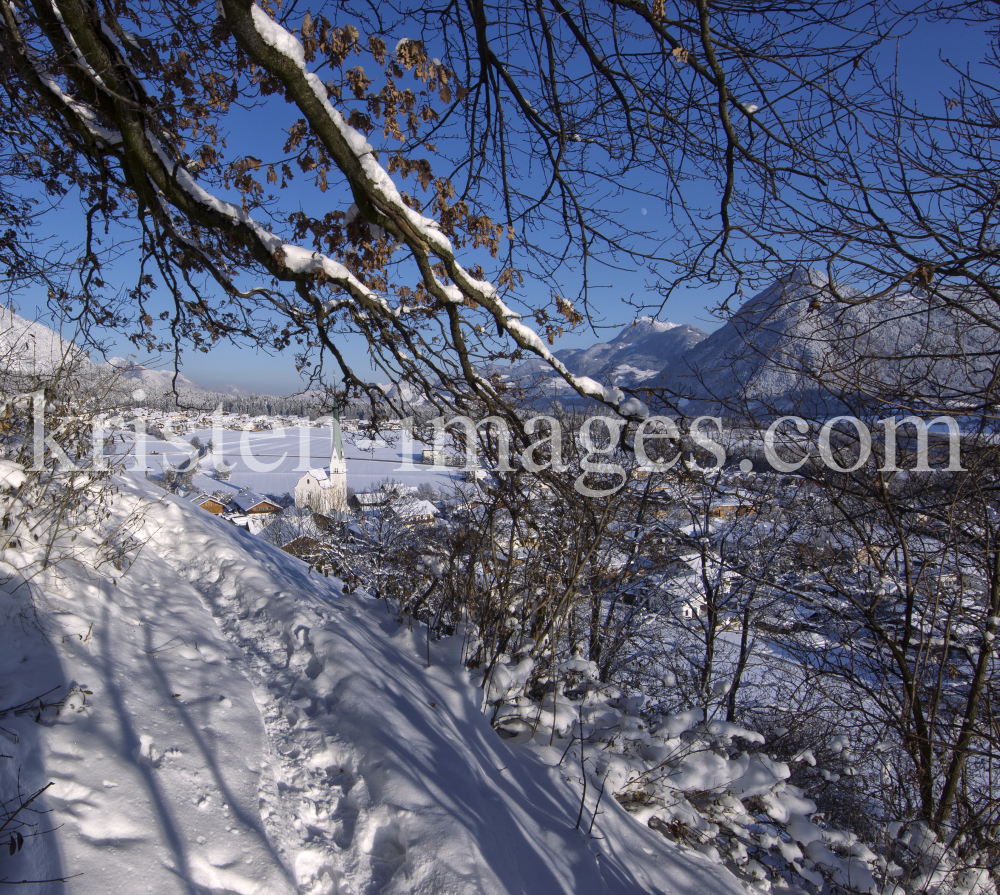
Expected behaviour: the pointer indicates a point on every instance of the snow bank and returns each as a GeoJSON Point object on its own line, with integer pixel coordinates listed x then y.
{"type": "Point", "coordinates": [252, 730]}
{"type": "Point", "coordinates": [157, 777]}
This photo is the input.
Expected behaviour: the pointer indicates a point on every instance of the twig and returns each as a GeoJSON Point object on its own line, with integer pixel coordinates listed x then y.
{"type": "Point", "coordinates": [22, 806]}
{"type": "Point", "coordinates": [25, 882]}
{"type": "Point", "coordinates": [26, 706]}
{"type": "Point", "coordinates": [593, 817]}
{"type": "Point", "coordinates": [572, 739]}
{"type": "Point", "coordinates": [166, 646]}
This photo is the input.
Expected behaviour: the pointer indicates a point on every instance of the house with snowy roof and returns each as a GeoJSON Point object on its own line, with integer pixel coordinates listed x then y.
{"type": "Point", "coordinates": [324, 490]}
{"type": "Point", "coordinates": [416, 512]}
{"type": "Point", "coordinates": [388, 496]}
{"type": "Point", "coordinates": [210, 502]}
{"type": "Point", "coordinates": [252, 504]}
{"type": "Point", "coordinates": [295, 531]}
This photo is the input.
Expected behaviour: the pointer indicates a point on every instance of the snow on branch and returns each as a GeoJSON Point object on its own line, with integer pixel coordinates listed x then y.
{"type": "Point", "coordinates": [127, 131]}
{"type": "Point", "coordinates": [281, 53]}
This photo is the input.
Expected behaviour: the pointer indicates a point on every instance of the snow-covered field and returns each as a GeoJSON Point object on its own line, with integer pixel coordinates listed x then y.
{"type": "Point", "coordinates": [271, 462]}
{"type": "Point", "coordinates": [249, 729]}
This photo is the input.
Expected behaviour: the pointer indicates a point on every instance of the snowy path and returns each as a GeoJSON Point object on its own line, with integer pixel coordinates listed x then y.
{"type": "Point", "coordinates": [372, 773]}
{"type": "Point", "coordinates": [156, 784]}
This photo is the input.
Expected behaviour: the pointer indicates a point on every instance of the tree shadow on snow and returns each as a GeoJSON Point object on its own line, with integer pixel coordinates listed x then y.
{"type": "Point", "coordinates": [183, 717]}
{"type": "Point", "coordinates": [30, 667]}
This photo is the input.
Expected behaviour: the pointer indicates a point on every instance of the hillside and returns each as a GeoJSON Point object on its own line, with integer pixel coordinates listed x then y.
{"type": "Point", "coordinates": [29, 348]}
{"type": "Point", "coordinates": [32, 348]}
{"type": "Point", "coordinates": [636, 353]}
{"type": "Point", "coordinates": [247, 728]}
{"type": "Point", "coordinates": [783, 341]}
{"type": "Point", "coordinates": [152, 381]}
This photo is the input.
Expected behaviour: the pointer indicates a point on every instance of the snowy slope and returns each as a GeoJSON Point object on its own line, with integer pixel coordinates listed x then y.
{"type": "Point", "coordinates": [637, 352]}
{"type": "Point", "coordinates": [32, 348]}
{"type": "Point", "coordinates": [784, 339]}
{"type": "Point", "coordinates": [253, 730]}
{"type": "Point", "coordinates": [408, 394]}
{"type": "Point", "coordinates": [152, 381]}
{"type": "Point", "coordinates": [28, 347]}
{"type": "Point", "coordinates": [156, 784]}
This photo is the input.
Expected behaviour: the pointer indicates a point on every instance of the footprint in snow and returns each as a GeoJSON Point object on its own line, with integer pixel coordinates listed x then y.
{"type": "Point", "coordinates": [147, 753]}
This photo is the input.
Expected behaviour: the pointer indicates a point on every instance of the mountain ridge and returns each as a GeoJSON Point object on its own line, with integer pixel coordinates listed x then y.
{"type": "Point", "coordinates": [637, 352]}
{"type": "Point", "coordinates": [161, 380]}
{"type": "Point", "coordinates": [794, 344]}
{"type": "Point", "coordinates": [32, 348]}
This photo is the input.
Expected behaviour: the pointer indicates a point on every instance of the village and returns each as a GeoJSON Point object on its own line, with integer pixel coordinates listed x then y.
{"type": "Point", "coordinates": [289, 481]}
{"type": "Point", "coordinates": [500, 449]}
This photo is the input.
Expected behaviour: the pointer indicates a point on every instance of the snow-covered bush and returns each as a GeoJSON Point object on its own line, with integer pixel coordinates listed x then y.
{"type": "Point", "coordinates": [57, 478]}
{"type": "Point", "coordinates": [921, 862]}
{"type": "Point", "coordinates": [703, 782]}
{"type": "Point", "coordinates": [169, 475]}
{"type": "Point", "coordinates": [715, 786]}
{"type": "Point", "coordinates": [185, 479]}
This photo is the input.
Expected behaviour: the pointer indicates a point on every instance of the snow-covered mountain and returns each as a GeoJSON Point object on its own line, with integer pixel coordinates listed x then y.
{"type": "Point", "coordinates": [782, 341]}
{"type": "Point", "coordinates": [638, 352]}
{"type": "Point", "coordinates": [408, 394]}
{"type": "Point", "coordinates": [28, 348]}
{"type": "Point", "coordinates": [150, 380]}
{"type": "Point", "coordinates": [238, 726]}
{"type": "Point", "coordinates": [635, 354]}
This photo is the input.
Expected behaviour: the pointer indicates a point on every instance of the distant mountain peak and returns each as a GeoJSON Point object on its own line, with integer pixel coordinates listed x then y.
{"type": "Point", "coordinates": [30, 347]}
{"type": "Point", "coordinates": [794, 344]}
{"type": "Point", "coordinates": [641, 328]}
{"type": "Point", "coordinates": [636, 353]}
{"type": "Point", "coordinates": [806, 276]}
{"type": "Point", "coordinates": [155, 380]}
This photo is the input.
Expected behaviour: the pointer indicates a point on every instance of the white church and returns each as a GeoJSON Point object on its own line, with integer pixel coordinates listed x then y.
{"type": "Point", "coordinates": [325, 490]}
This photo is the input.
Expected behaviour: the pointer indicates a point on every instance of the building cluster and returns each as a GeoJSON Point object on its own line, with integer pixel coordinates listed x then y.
{"type": "Point", "coordinates": [326, 510]}
{"type": "Point", "coordinates": [182, 422]}
{"type": "Point", "coordinates": [323, 505]}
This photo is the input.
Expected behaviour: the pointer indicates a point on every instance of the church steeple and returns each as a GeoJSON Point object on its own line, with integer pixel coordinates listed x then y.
{"type": "Point", "coordinates": [325, 490]}
{"type": "Point", "coordinates": [338, 464]}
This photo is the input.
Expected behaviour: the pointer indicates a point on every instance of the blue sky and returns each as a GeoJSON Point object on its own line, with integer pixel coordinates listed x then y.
{"type": "Point", "coordinates": [226, 367]}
